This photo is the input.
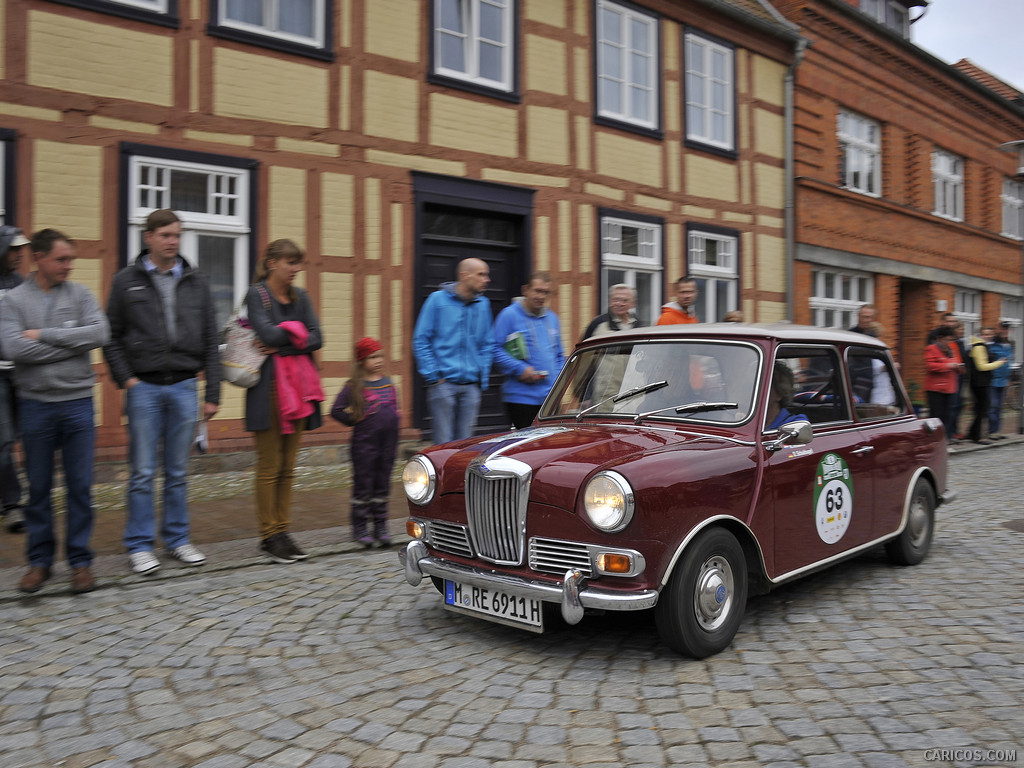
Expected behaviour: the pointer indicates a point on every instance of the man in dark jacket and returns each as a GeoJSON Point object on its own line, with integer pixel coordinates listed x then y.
{"type": "Point", "coordinates": [620, 315]}
{"type": "Point", "coordinates": [163, 332]}
{"type": "Point", "coordinates": [12, 245]}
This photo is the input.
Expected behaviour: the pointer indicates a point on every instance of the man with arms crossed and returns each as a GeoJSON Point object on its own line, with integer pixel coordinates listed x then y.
{"type": "Point", "coordinates": [48, 326]}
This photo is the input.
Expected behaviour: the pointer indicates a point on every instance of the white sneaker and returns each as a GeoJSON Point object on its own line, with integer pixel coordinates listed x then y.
{"type": "Point", "coordinates": [144, 561]}
{"type": "Point", "coordinates": [187, 554]}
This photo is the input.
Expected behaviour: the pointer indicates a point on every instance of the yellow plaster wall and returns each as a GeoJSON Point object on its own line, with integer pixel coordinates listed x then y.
{"type": "Point", "coordinates": [123, 126]}
{"type": "Point", "coordinates": [547, 135]}
{"type": "Point", "coordinates": [459, 123]}
{"type": "Point", "coordinates": [99, 59]}
{"type": "Point", "coordinates": [545, 11]}
{"type": "Point", "coordinates": [565, 238]}
{"type": "Point", "coordinates": [769, 133]}
{"type": "Point", "coordinates": [89, 272]}
{"type": "Point", "coordinates": [769, 81]}
{"type": "Point", "coordinates": [771, 185]}
{"type": "Point", "coordinates": [337, 218]}
{"type": "Point", "coordinates": [68, 179]}
{"type": "Point", "coordinates": [397, 329]}
{"type": "Point", "coordinates": [287, 214]}
{"type": "Point", "coordinates": [544, 60]}
{"type": "Point", "coordinates": [3, 35]}
{"type": "Point", "coordinates": [771, 260]}
{"type": "Point", "coordinates": [416, 162]}
{"type": "Point", "coordinates": [336, 315]}
{"type": "Point", "coordinates": [391, 106]}
{"type": "Point", "coordinates": [372, 233]}
{"type": "Point", "coordinates": [397, 243]}
{"type": "Point", "coordinates": [542, 243]}
{"type": "Point", "coordinates": [260, 87]}
{"type": "Point", "coordinates": [706, 177]}
{"type": "Point", "coordinates": [587, 227]}
{"type": "Point", "coordinates": [627, 158]}
{"type": "Point", "coordinates": [373, 306]}
{"type": "Point", "coordinates": [393, 28]}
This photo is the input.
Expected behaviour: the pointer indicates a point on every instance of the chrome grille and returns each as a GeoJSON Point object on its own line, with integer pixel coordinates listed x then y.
{"type": "Point", "coordinates": [450, 537]}
{"type": "Point", "coordinates": [554, 556]}
{"type": "Point", "coordinates": [496, 497]}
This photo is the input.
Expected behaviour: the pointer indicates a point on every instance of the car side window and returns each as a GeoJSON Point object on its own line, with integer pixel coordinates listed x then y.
{"type": "Point", "coordinates": [876, 387]}
{"type": "Point", "coordinates": [819, 394]}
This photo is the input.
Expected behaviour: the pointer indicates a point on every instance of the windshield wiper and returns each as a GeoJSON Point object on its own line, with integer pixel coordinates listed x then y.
{"type": "Point", "coordinates": [700, 407]}
{"type": "Point", "coordinates": [653, 386]}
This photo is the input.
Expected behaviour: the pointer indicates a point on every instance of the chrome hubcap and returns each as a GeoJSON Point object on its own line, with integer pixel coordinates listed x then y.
{"type": "Point", "coordinates": [917, 525]}
{"type": "Point", "coordinates": [713, 595]}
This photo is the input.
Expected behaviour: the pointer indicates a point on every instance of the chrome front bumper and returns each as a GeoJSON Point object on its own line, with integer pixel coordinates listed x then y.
{"type": "Point", "coordinates": [573, 595]}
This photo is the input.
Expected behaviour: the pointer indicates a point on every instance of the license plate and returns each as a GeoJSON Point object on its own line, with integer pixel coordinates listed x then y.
{"type": "Point", "coordinates": [494, 605]}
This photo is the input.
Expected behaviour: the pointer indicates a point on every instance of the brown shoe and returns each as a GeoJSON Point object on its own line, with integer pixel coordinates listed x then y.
{"type": "Point", "coordinates": [34, 579]}
{"type": "Point", "coordinates": [82, 580]}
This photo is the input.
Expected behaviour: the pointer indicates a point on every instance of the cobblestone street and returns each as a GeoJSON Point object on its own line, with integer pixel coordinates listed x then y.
{"type": "Point", "coordinates": [338, 662]}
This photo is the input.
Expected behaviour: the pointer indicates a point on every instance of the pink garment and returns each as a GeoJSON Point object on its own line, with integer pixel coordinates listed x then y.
{"type": "Point", "coordinates": [298, 384]}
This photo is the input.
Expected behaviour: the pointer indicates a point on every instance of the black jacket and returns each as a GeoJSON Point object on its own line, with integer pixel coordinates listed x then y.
{"type": "Point", "coordinates": [265, 322]}
{"type": "Point", "coordinates": [139, 342]}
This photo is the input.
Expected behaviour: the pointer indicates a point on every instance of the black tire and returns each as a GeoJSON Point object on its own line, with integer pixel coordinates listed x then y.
{"type": "Point", "coordinates": [914, 541]}
{"type": "Point", "coordinates": [702, 605]}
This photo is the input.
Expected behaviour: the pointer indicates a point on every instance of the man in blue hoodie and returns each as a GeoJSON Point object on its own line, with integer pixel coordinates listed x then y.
{"type": "Point", "coordinates": [452, 345]}
{"type": "Point", "coordinates": [528, 350]}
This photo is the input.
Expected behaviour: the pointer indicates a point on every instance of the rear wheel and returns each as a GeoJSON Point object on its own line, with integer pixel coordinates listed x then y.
{"type": "Point", "coordinates": [702, 605]}
{"type": "Point", "coordinates": [913, 543]}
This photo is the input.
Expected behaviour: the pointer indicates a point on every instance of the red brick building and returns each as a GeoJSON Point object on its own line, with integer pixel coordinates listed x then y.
{"type": "Point", "coordinates": [903, 194]}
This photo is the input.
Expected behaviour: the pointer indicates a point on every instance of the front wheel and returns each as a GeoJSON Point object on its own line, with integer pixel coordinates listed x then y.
{"type": "Point", "coordinates": [702, 605]}
{"type": "Point", "coordinates": [913, 543]}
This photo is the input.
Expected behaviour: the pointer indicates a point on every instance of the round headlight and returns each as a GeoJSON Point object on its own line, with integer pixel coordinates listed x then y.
{"type": "Point", "coordinates": [419, 480]}
{"type": "Point", "coordinates": [608, 501]}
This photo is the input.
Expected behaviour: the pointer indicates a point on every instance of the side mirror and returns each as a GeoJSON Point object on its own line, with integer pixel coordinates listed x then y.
{"type": "Point", "coordinates": [791, 433]}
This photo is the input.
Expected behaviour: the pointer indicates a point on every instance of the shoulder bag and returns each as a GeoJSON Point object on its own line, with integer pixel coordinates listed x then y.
{"type": "Point", "coordinates": [240, 356]}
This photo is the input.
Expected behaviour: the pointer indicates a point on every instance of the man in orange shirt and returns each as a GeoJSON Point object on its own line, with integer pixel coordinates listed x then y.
{"type": "Point", "coordinates": [681, 310]}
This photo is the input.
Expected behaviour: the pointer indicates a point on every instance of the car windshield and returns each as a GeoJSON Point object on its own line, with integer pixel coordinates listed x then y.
{"type": "Point", "coordinates": [705, 381]}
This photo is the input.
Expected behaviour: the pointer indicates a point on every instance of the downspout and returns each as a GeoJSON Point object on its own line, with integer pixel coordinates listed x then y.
{"type": "Point", "coordinates": [790, 164]}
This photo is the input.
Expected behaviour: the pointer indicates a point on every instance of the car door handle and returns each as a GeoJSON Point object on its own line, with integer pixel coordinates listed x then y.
{"type": "Point", "coordinates": [865, 449]}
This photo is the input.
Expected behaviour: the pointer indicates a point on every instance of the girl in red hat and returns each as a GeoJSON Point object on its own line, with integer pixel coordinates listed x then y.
{"type": "Point", "coordinates": [369, 404]}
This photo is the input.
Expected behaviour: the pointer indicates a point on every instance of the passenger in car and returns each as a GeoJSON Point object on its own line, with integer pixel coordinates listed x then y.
{"type": "Point", "coordinates": [783, 383]}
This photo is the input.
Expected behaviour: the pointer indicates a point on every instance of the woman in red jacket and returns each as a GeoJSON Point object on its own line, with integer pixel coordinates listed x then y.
{"type": "Point", "coordinates": [942, 365]}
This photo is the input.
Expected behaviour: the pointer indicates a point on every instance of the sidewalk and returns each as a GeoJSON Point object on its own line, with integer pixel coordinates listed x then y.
{"type": "Point", "coordinates": [224, 523]}
{"type": "Point", "coordinates": [223, 517]}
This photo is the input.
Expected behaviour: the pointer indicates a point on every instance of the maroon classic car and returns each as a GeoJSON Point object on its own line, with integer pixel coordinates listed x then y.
{"type": "Point", "coordinates": [679, 469]}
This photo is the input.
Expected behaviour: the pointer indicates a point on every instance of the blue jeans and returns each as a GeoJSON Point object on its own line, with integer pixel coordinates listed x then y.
{"type": "Point", "coordinates": [453, 408]}
{"type": "Point", "coordinates": [996, 395]}
{"type": "Point", "coordinates": [45, 428]}
{"type": "Point", "coordinates": [159, 416]}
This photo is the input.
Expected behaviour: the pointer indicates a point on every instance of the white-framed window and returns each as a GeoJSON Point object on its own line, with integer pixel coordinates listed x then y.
{"type": "Point", "coordinates": [710, 92]}
{"type": "Point", "coordinates": [967, 309]}
{"type": "Point", "coordinates": [627, 65]}
{"type": "Point", "coordinates": [631, 253]}
{"type": "Point", "coordinates": [156, 6]}
{"type": "Point", "coordinates": [860, 150]}
{"type": "Point", "coordinates": [838, 295]}
{"type": "Point", "coordinates": [1013, 208]}
{"type": "Point", "coordinates": [213, 205]}
{"type": "Point", "coordinates": [713, 259]}
{"type": "Point", "coordinates": [892, 13]}
{"type": "Point", "coordinates": [295, 22]}
{"type": "Point", "coordinates": [473, 41]}
{"type": "Point", "coordinates": [948, 176]}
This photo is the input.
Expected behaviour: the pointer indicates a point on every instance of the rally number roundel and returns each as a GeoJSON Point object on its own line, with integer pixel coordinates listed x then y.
{"type": "Point", "coordinates": [833, 498]}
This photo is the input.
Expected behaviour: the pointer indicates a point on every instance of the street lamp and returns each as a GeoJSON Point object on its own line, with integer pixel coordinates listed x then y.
{"type": "Point", "coordinates": [1017, 147]}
